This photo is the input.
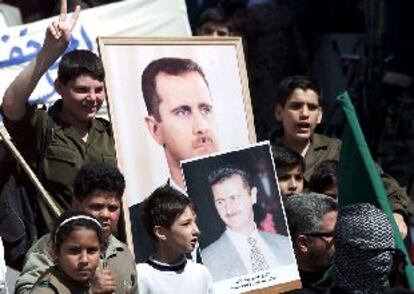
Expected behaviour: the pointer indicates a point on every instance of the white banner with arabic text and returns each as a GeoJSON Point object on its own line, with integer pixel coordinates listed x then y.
{"type": "Point", "coordinates": [154, 18]}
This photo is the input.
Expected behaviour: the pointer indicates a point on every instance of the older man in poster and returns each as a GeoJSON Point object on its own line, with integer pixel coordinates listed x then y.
{"type": "Point", "coordinates": [180, 118]}
{"type": "Point", "coordinates": [241, 249]}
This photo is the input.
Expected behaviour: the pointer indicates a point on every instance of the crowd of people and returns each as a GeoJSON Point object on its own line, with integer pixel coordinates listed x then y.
{"type": "Point", "coordinates": [337, 249]}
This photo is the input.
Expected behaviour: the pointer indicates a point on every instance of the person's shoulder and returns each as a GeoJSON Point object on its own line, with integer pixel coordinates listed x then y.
{"type": "Point", "coordinates": [42, 246]}
{"type": "Point", "coordinates": [47, 283]}
{"type": "Point", "coordinates": [318, 139]}
{"type": "Point", "coordinates": [146, 272]}
{"type": "Point", "coordinates": [143, 266]}
{"type": "Point", "coordinates": [103, 123]}
{"type": "Point", "coordinates": [116, 247]}
{"type": "Point", "coordinates": [115, 243]}
{"type": "Point", "coordinates": [102, 126]}
{"type": "Point", "coordinates": [218, 250]}
{"type": "Point", "coordinates": [217, 244]}
{"type": "Point", "coordinates": [198, 268]}
{"type": "Point", "coordinates": [44, 287]}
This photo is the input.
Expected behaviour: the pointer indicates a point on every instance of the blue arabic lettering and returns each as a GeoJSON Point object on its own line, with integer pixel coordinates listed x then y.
{"type": "Point", "coordinates": [23, 32]}
{"type": "Point", "coordinates": [16, 56]}
{"type": "Point", "coordinates": [5, 38]}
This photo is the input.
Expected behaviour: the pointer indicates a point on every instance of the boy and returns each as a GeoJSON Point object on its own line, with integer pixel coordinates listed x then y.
{"type": "Point", "coordinates": [298, 108]}
{"type": "Point", "coordinates": [214, 22]}
{"type": "Point", "coordinates": [324, 179]}
{"type": "Point", "coordinates": [290, 167]}
{"type": "Point", "coordinates": [98, 191]}
{"type": "Point", "coordinates": [58, 142]}
{"type": "Point", "coordinates": [169, 218]}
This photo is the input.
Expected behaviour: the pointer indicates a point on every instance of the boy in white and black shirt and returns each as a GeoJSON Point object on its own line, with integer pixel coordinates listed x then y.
{"type": "Point", "coordinates": [169, 218]}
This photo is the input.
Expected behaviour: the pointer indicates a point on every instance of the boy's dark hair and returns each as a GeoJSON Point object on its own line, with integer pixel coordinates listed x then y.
{"type": "Point", "coordinates": [162, 208]}
{"type": "Point", "coordinates": [215, 15]}
{"type": "Point", "coordinates": [324, 176]}
{"type": "Point", "coordinates": [289, 84]}
{"type": "Point", "coordinates": [168, 65]}
{"type": "Point", "coordinates": [80, 62]}
{"type": "Point", "coordinates": [71, 220]}
{"type": "Point", "coordinates": [223, 173]}
{"type": "Point", "coordinates": [102, 177]}
{"type": "Point", "coordinates": [287, 158]}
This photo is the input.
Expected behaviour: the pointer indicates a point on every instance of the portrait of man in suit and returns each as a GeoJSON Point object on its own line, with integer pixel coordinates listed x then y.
{"type": "Point", "coordinates": [241, 248]}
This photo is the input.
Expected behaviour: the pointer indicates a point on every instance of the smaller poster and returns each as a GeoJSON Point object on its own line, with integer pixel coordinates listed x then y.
{"type": "Point", "coordinates": [244, 239]}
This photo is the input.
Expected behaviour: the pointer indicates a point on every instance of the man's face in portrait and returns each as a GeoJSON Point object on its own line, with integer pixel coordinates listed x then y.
{"type": "Point", "coordinates": [234, 203]}
{"type": "Point", "coordinates": [185, 128]}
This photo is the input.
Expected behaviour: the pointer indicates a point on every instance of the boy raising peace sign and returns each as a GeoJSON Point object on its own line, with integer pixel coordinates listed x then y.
{"type": "Point", "coordinates": [58, 142]}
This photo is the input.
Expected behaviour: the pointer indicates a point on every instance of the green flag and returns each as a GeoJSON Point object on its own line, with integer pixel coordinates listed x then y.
{"type": "Point", "coordinates": [358, 178]}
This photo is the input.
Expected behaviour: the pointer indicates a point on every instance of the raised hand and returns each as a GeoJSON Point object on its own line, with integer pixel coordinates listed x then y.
{"type": "Point", "coordinates": [56, 41]}
{"type": "Point", "coordinates": [59, 32]}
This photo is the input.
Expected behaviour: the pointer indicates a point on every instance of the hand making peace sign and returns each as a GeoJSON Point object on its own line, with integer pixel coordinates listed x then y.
{"type": "Point", "coordinates": [59, 32]}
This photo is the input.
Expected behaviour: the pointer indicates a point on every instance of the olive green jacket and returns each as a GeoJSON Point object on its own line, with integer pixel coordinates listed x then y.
{"type": "Point", "coordinates": [43, 137]}
{"type": "Point", "coordinates": [54, 281]}
{"type": "Point", "coordinates": [118, 259]}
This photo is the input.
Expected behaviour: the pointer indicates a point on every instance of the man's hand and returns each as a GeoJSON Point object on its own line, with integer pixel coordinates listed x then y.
{"type": "Point", "coordinates": [402, 226]}
{"type": "Point", "coordinates": [59, 32]}
{"type": "Point", "coordinates": [103, 282]}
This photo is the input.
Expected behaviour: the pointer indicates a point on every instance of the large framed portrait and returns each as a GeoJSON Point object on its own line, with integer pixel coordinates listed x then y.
{"type": "Point", "coordinates": [244, 239]}
{"type": "Point", "coordinates": [171, 99]}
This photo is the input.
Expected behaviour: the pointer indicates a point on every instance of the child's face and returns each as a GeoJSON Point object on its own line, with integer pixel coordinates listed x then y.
{"type": "Point", "coordinates": [106, 208]}
{"type": "Point", "coordinates": [300, 115]}
{"type": "Point", "coordinates": [290, 181]}
{"type": "Point", "coordinates": [82, 97]}
{"type": "Point", "coordinates": [183, 235]}
{"type": "Point", "coordinates": [78, 255]}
